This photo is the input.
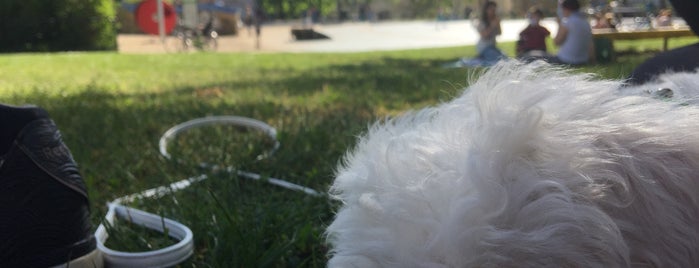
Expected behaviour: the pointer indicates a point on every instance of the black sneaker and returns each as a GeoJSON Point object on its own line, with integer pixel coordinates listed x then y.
{"type": "Point", "coordinates": [44, 209]}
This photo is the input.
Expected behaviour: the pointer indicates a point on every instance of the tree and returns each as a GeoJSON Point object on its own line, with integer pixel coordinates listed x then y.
{"type": "Point", "coordinates": [57, 25]}
{"type": "Point", "coordinates": [291, 9]}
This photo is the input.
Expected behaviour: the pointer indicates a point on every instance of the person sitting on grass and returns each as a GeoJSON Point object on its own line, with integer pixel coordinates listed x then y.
{"type": "Point", "coordinates": [532, 40]}
{"type": "Point", "coordinates": [488, 28]}
{"type": "Point", "coordinates": [574, 36]}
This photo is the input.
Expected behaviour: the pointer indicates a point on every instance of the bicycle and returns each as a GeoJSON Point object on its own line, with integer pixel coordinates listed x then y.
{"type": "Point", "coordinates": [203, 37]}
{"type": "Point", "coordinates": [199, 39]}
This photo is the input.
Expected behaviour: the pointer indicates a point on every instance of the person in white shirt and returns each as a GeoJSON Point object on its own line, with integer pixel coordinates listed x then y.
{"type": "Point", "coordinates": [574, 36]}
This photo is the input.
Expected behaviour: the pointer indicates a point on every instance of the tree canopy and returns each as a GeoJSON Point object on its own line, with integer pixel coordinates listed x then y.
{"type": "Point", "coordinates": [57, 25]}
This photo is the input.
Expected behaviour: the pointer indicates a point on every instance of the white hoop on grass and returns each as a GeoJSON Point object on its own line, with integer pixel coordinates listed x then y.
{"type": "Point", "coordinates": [179, 252]}
{"type": "Point", "coordinates": [236, 121]}
{"type": "Point", "coordinates": [164, 257]}
{"type": "Point", "coordinates": [219, 120]}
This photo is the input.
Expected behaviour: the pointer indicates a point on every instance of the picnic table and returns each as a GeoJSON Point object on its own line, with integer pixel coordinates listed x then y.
{"type": "Point", "coordinates": [660, 32]}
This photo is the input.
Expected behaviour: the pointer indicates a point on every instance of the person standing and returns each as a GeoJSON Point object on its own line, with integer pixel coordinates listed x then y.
{"type": "Point", "coordinates": [253, 18]}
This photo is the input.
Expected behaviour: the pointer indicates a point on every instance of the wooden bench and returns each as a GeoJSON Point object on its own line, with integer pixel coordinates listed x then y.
{"type": "Point", "coordinates": [664, 32]}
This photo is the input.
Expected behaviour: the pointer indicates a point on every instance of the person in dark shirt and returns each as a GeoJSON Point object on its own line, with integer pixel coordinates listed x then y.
{"type": "Point", "coordinates": [676, 60]}
{"type": "Point", "coordinates": [532, 40]}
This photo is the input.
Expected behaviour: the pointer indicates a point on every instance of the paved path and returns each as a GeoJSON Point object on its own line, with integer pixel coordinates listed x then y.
{"type": "Point", "coordinates": [346, 37]}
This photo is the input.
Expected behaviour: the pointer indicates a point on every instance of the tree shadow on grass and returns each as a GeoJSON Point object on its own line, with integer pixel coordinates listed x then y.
{"type": "Point", "coordinates": [318, 114]}
{"type": "Point", "coordinates": [115, 143]}
{"type": "Point", "coordinates": [383, 81]}
{"type": "Point", "coordinates": [114, 136]}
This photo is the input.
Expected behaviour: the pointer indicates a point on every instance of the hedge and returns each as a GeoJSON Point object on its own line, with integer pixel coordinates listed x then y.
{"type": "Point", "coordinates": [57, 25]}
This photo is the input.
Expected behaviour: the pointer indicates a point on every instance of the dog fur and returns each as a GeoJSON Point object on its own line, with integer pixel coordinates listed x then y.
{"type": "Point", "coordinates": [532, 166]}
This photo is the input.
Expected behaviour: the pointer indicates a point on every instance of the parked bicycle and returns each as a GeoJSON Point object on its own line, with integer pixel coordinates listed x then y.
{"type": "Point", "coordinates": [204, 37]}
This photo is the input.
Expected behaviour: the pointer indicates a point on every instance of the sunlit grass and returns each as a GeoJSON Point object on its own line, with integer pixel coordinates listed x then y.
{"type": "Point", "coordinates": [112, 110]}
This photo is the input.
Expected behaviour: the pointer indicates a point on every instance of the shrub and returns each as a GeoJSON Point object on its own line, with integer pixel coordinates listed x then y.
{"type": "Point", "coordinates": [57, 25]}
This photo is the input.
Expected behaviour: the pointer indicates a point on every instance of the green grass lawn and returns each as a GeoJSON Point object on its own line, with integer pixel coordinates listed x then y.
{"type": "Point", "coordinates": [113, 108]}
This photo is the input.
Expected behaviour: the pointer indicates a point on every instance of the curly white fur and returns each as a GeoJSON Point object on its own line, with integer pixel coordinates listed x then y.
{"type": "Point", "coordinates": [531, 167]}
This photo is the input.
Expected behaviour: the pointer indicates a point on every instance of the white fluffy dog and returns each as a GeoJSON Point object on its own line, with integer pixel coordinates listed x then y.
{"type": "Point", "coordinates": [531, 167]}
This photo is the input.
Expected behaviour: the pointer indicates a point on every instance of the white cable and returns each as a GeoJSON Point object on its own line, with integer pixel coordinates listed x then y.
{"type": "Point", "coordinates": [219, 120]}
{"type": "Point", "coordinates": [236, 121]}
{"type": "Point", "coordinates": [164, 257]}
{"type": "Point", "coordinates": [179, 252]}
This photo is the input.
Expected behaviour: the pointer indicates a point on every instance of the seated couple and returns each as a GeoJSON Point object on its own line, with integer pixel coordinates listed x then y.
{"type": "Point", "coordinates": [574, 37]}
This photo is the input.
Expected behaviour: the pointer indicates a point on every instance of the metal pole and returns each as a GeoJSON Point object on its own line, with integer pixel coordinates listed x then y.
{"type": "Point", "coordinates": [161, 21]}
